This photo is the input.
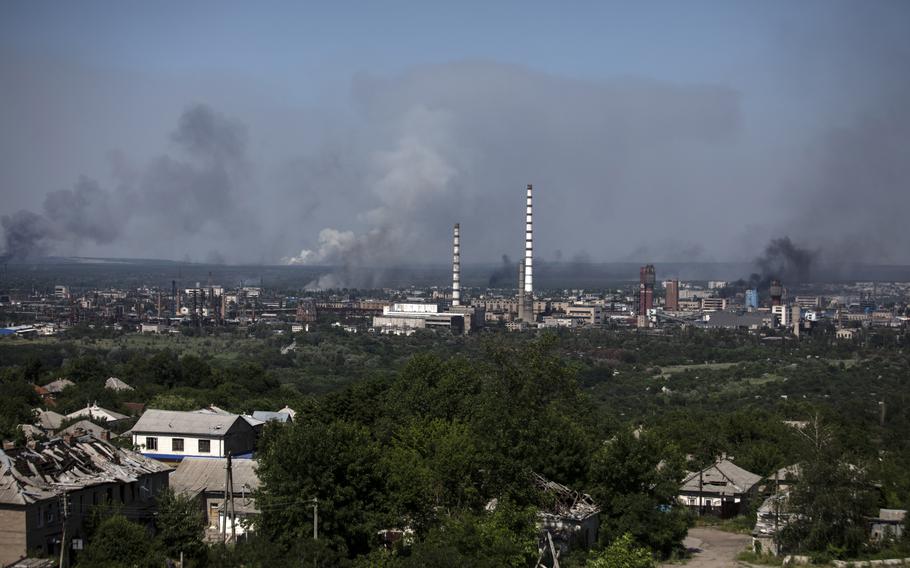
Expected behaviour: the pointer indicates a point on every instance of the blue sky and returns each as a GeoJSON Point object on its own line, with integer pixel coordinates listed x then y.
{"type": "Point", "coordinates": [96, 89]}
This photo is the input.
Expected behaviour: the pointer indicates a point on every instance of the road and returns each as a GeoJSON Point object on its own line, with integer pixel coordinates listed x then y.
{"type": "Point", "coordinates": [712, 548]}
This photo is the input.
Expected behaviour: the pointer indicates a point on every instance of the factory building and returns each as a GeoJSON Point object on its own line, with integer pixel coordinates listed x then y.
{"type": "Point", "coordinates": [407, 316]}
{"type": "Point", "coordinates": [713, 304]}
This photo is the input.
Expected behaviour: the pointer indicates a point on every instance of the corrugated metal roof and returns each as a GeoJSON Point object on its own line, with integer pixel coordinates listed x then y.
{"type": "Point", "coordinates": [155, 421]}
{"type": "Point", "coordinates": [28, 475]}
{"type": "Point", "coordinates": [196, 475]}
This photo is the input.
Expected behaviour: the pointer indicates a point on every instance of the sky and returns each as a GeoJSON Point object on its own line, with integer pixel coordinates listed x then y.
{"type": "Point", "coordinates": [357, 133]}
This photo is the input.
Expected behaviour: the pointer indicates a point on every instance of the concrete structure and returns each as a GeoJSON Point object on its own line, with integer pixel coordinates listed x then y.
{"type": "Point", "coordinates": [526, 283]}
{"type": "Point", "coordinates": [589, 314]}
{"type": "Point", "coordinates": [645, 294]}
{"type": "Point", "coordinates": [782, 314]}
{"type": "Point", "coordinates": [49, 485]}
{"type": "Point", "coordinates": [571, 519]}
{"type": "Point", "coordinates": [456, 265]}
{"type": "Point", "coordinates": [171, 435]}
{"type": "Point", "coordinates": [409, 316]}
{"type": "Point", "coordinates": [713, 304]}
{"type": "Point", "coordinates": [672, 301]}
{"type": "Point", "coordinates": [736, 320]}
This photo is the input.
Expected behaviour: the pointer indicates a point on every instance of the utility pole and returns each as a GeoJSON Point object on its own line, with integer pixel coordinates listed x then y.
{"type": "Point", "coordinates": [231, 497]}
{"type": "Point", "coordinates": [64, 516]}
{"type": "Point", "coordinates": [315, 518]}
{"type": "Point", "coordinates": [224, 503]}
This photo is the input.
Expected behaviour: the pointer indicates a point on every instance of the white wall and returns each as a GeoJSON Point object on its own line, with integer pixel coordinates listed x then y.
{"type": "Point", "coordinates": [190, 445]}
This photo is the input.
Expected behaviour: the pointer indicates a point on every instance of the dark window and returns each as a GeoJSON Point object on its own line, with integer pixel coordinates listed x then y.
{"type": "Point", "coordinates": [151, 443]}
{"type": "Point", "coordinates": [205, 446]}
{"type": "Point", "coordinates": [177, 445]}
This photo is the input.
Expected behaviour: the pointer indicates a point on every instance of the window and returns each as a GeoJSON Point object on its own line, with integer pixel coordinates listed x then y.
{"type": "Point", "coordinates": [177, 445]}
{"type": "Point", "coordinates": [205, 446]}
{"type": "Point", "coordinates": [151, 443]}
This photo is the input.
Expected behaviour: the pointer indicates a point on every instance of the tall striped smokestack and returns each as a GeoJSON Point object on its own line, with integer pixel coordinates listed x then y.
{"type": "Point", "coordinates": [456, 265]}
{"type": "Point", "coordinates": [529, 245]}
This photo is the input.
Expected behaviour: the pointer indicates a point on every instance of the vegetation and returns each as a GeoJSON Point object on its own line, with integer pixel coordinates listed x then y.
{"type": "Point", "coordinates": [420, 436]}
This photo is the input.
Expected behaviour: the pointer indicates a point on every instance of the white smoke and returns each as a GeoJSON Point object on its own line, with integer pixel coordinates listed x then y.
{"type": "Point", "coordinates": [402, 180]}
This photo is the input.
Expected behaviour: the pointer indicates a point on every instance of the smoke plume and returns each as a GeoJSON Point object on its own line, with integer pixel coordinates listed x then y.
{"type": "Point", "coordinates": [784, 260]}
{"type": "Point", "coordinates": [172, 198]}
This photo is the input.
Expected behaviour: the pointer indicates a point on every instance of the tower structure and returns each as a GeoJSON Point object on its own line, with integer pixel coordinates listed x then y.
{"type": "Point", "coordinates": [645, 293]}
{"type": "Point", "coordinates": [456, 265]}
{"type": "Point", "coordinates": [526, 294]}
{"type": "Point", "coordinates": [777, 292]}
{"type": "Point", "coordinates": [672, 302]}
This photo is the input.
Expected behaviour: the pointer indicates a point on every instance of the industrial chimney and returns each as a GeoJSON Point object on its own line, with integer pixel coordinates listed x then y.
{"type": "Point", "coordinates": [456, 265]}
{"type": "Point", "coordinates": [526, 309]}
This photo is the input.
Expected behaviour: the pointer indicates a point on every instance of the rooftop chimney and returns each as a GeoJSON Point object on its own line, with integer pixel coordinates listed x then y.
{"type": "Point", "coordinates": [456, 265]}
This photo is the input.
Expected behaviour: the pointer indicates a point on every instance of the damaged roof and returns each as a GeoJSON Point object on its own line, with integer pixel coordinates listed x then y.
{"type": "Point", "coordinates": [564, 502]}
{"type": "Point", "coordinates": [45, 471]}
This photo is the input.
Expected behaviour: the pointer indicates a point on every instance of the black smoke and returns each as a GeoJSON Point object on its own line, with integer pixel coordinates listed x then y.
{"type": "Point", "coordinates": [783, 260]}
{"type": "Point", "coordinates": [504, 276]}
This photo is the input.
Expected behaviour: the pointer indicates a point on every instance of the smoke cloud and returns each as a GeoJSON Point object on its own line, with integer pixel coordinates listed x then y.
{"type": "Point", "coordinates": [784, 260]}
{"type": "Point", "coordinates": [170, 199]}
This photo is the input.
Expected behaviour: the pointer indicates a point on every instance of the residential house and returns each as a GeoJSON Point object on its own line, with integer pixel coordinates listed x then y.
{"type": "Point", "coordinates": [95, 412]}
{"type": "Point", "coordinates": [722, 489]}
{"type": "Point", "coordinates": [205, 479]}
{"type": "Point", "coordinates": [44, 485]}
{"type": "Point", "coordinates": [173, 435]}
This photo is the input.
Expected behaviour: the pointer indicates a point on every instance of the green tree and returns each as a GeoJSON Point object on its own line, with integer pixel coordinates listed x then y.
{"type": "Point", "coordinates": [622, 553]}
{"type": "Point", "coordinates": [335, 462]}
{"type": "Point", "coordinates": [180, 525]}
{"type": "Point", "coordinates": [120, 543]}
{"type": "Point", "coordinates": [832, 499]}
{"type": "Point", "coordinates": [433, 472]}
{"type": "Point", "coordinates": [635, 479]}
{"type": "Point", "coordinates": [505, 537]}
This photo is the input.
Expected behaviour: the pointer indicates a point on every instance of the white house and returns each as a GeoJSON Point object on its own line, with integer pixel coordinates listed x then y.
{"type": "Point", "coordinates": [172, 435]}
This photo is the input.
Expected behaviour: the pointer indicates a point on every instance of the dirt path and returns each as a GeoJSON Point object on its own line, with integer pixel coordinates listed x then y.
{"type": "Point", "coordinates": [712, 548]}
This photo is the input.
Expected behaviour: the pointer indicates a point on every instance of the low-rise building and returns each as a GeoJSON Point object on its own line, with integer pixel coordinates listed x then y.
{"type": "Point", "coordinates": [172, 435]}
{"type": "Point", "coordinates": [722, 489]}
{"type": "Point", "coordinates": [46, 485]}
{"type": "Point", "coordinates": [204, 480]}
{"type": "Point", "coordinates": [95, 412]}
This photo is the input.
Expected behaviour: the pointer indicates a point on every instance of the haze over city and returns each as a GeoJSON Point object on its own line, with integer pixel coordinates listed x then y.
{"type": "Point", "coordinates": [356, 135]}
